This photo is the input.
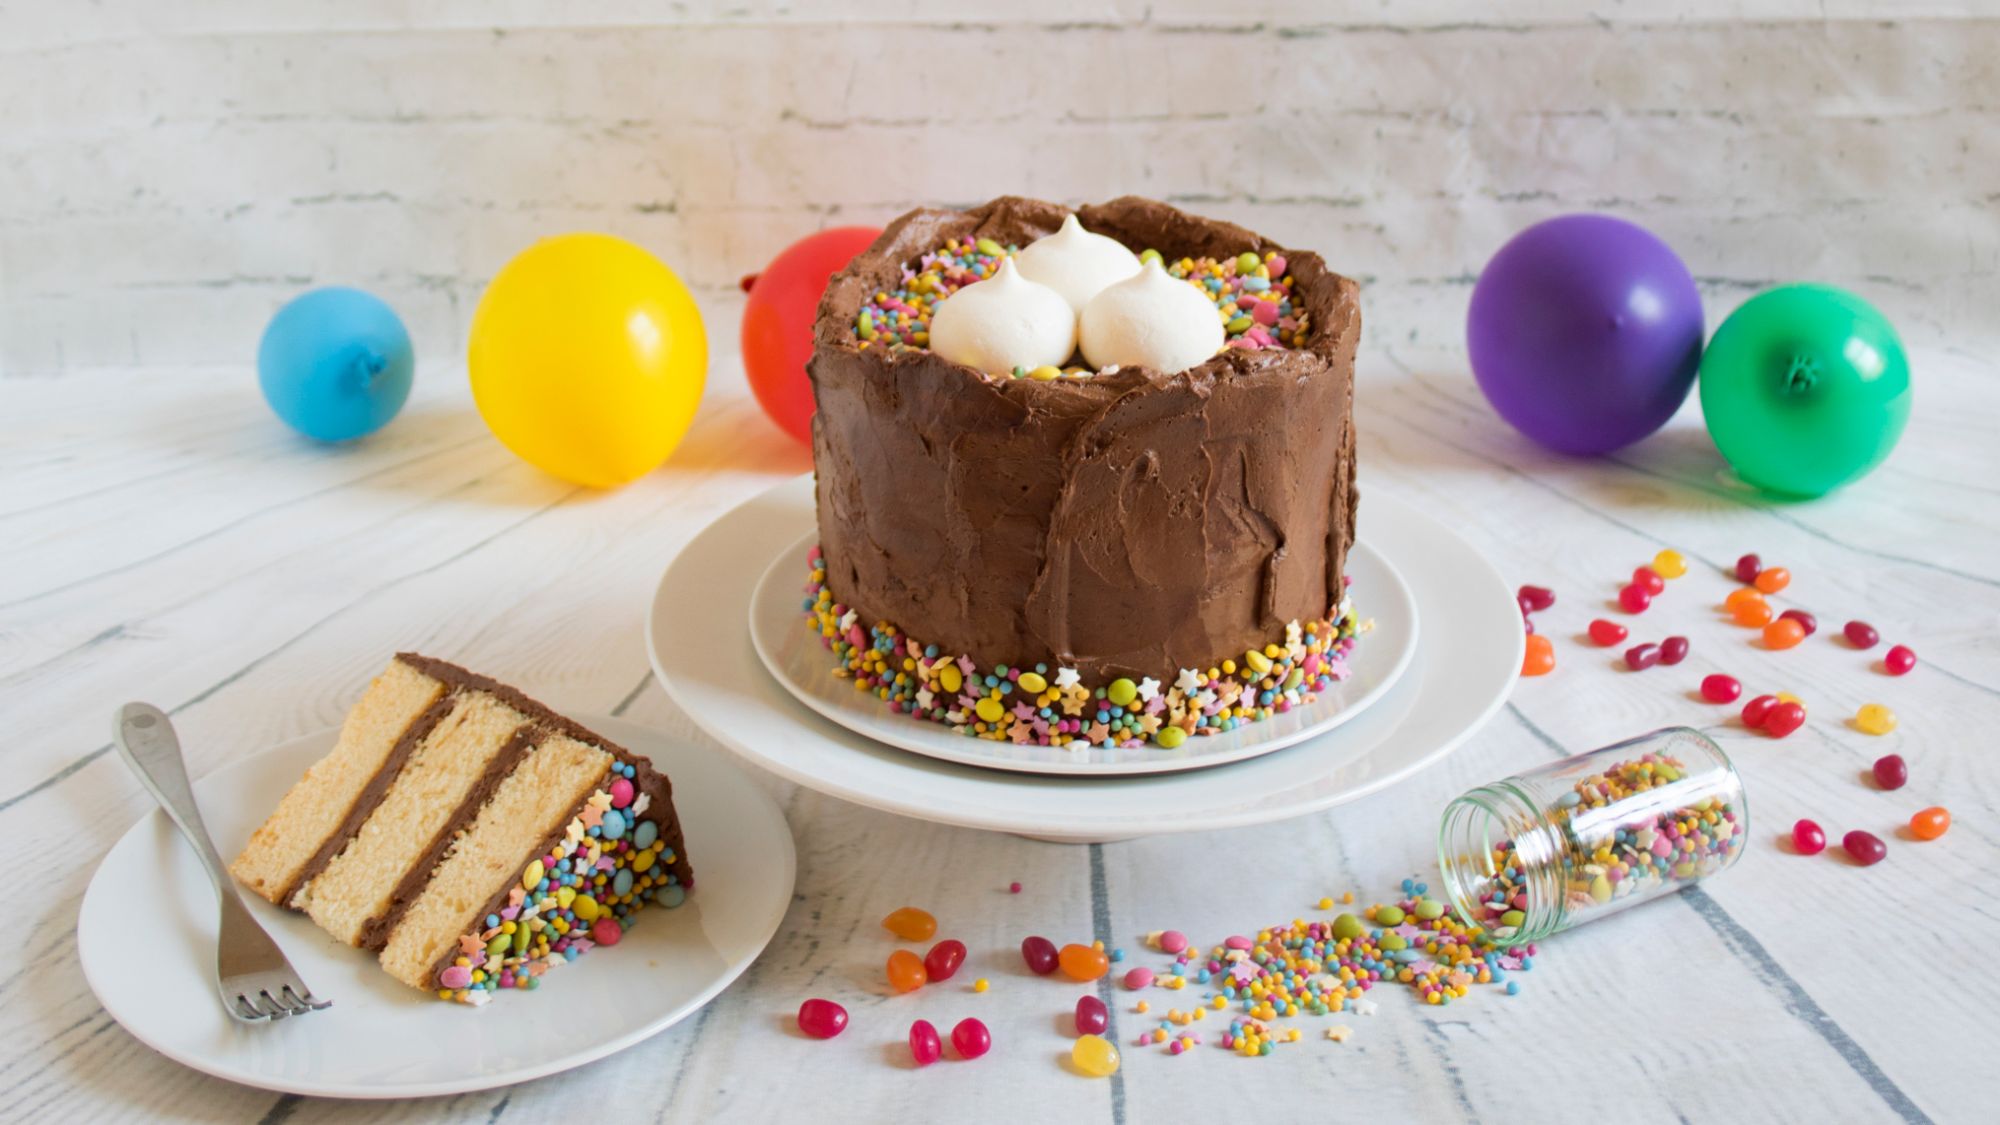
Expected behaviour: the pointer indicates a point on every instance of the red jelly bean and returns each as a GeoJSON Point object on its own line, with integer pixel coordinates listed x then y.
{"type": "Point", "coordinates": [1535, 599]}
{"type": "Point", "coordinates": [1784, 719]}
{"type": "Point", "coordinates": [1634, 599]}
{"type": "Point", "coordinates": [1641, 657]}
{"type": "Point", "coordinates": [971, 1038]}
{"type": "Point", "coordinates": [906, 971]}
{"type": "Point", "coordinates": [1891, 772]}
{"type": "Point", "coordinates": [1899, 660]}
{"type": "Point", "coordinates": [944, 959]}
{"type": "Point", "coordinates": [1648, 579]}
{"type": "Point", "coordinates": [1866, 847]}
{"type": "Point", "coordinates": [1861, 634]}
{"type": "Point", "coordinates": [925, 1046]}
{"type": "Point", "coordinates": [1041, 955]}
{"type": "Point", "coordinates": [822, 1019]}
{"type": "Point", "coordinates": [1606, 633]}
{"type": "Point", "coordinates": [1808, 838]}
{"type": "Point", "coordinates": [1747, 569]}
{"type": "Point", "coordinates": [1806, 620]}
{"type": "Point", "coordinates": [1673, 650]}
{"type": "Point", "coordinates": [1757, 710]}
{"type": "Point", "coordinates": [1718, 688]}
{"type": "Point", "coordinates": [1092, 1017]}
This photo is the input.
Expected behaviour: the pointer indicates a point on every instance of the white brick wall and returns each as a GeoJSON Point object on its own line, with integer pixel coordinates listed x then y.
{"type": "Point", "coordinates": [168, 178]}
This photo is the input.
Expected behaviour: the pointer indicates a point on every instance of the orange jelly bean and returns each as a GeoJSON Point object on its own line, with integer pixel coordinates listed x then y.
{"type": "Point", "coordinates": [1081, 962]}
{"type": "Point", "coordinates": [1783, 633]}
{"type": "Point", "coordinates": [1757, 613]}
{"type": "Point", "coordinates": [910, 924]}
{"type": "Point", "coordinates": [1739, 596]}
{"type": "Point", "coordinates": [1773, 579]}
{"type": "Point", "coordinates": [1540, 658]}
{"type": "Point", "coordinates": [906, 971]}
{"type": "Point", "coordinates": [1930, 823]}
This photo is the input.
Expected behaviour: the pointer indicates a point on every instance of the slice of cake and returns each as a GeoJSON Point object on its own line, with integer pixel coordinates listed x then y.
{"type": "Point", "coordinates": [468, 835]}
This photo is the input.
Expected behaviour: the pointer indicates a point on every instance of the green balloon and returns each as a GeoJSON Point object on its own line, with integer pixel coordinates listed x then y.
{"type": "Point", "coordinates": [1805, 388]}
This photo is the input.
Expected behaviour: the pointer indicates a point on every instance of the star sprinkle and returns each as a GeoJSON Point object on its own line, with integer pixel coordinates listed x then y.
{"type": "Point", "coordinates": [1339, 1032]}
{"type": "Point", "coordinates": [1189, 681]}
{"type": "Point", "coordinates": [1149, 689]}
{"type": "Point", "coordinates": [1067, 678]}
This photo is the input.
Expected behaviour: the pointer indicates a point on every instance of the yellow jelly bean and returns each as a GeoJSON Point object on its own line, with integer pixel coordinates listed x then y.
{"type": "Point", "coordinates": [532, 875]}
{"type": "Point", "coordinates": [1034, 683]}
{"type": "Point", "coordinates": [1669, 564]}
{"type": "Point", "coordinates": [1258, 662]}
{"type": "Point", "coordinates": [1873, 718]}
{"type": "Point", "coordinates": [585, 907]}
{"type": "Point", "coordinates": [950, 678]}
{"type": "Point", "coordinates": [1094, 1055]}
{"type": "Point", "coordinates": [989, 709]}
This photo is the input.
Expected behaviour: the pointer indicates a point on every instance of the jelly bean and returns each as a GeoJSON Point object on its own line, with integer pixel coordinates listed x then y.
{"type": "Point", "coordinates": [1891, 772]}
{"type": "Point", "coordinates": [1535, 599]}
{"type": "Point", "coordinates": [1092, 1017]}
{"type": "Point", "coordinates": [906, 971]}
{"type": "Point", "coordinates": [1861, 634]}
{"type": "Point", "coordinates": [944, 959]}
{"type": "Point", "coordinates": [1740, 596]}
{"type": "Point", "coordinates": [1673, 650]}
{"type": "Point", "coordinates": [1784, 719]}
{"type": "Point", "coordinates": [1808, 838]}
{"type": "Point", "coordinates": [822, 1019]}
{"type": "Point", "coordinates": [1806, 620]}
{"type": "Point", "coordinates": [1899, 660]}
{"type": "Point", "coordinates": [1757, 710]}
{"type": "Point", "coordinates": [925, 1046]}
{"type": "Point", "coordinates": [1606, 633]}
{"type": "Point", "coordinates": [1081, 962]}
{"type": "Point", "coordinates": [1173, 941]}
{"type": "Point", "coordinates": [1429, 909]}
{"type": "Point", "coordinates": [1930, 823]}
{"type": "Point", "coordinates": [1094, 1055]}
{"type": "Point", "coordinates": [1641, 657]}
{"type": "Point", "coordinates": [1389, 916]}
{"type": "Point", "coordinates": [1873, 718]}
{"type": "Point", "coordinates": [1783, 634]}
{"type": "Point", "coordinates": [1669, 564]}
{"type": "Point", "coordinates": [1773, 580]}
{"type": "Point", "coordinates": [1866, 847]}
{"type": "Point", "coordinates": [1648, 580]}
{"type": "Point", "coordinates": [1752, 614]}
{"type": "Point", "coordinates": [1634, 599]}
{"type": "Point", "coordinates": [1747, 569]}
{"type": "Point", "coordinates": [971, 1038]}
{"type": "Point", "coordinates": [1539, 658]}
{"type": "Point", "coordinates": [1136, 979]}
{"type": "Point", "coordinates": [1040, 954]}
{"type": "Point", "coordinates": [910, 924]}
{"type": "Point", "coordinates": [1720, 688]}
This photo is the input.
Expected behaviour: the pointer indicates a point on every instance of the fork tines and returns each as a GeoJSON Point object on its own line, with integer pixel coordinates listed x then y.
{"type": "Point", "coordinates": [265, 1006]}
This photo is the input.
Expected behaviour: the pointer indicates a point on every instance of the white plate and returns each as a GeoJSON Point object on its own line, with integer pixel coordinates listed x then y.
{"type": "Point", "coordinates": [798, 660]}
{"type": "Point", "coordinates": [146, 938]}
{"type": "Point", "coordinates": [1465, 664]}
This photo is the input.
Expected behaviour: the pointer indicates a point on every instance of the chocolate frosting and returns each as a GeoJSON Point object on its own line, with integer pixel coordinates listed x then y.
{"type": "Point", "coordinates": [1128, 524]}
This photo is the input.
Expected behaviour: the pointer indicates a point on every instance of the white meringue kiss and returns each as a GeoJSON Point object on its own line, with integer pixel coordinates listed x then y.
{"type": "Point", "coordinates": [1004, 322]}
{"type": "Point", "coordinates": [1077, 263]}
{"type": "Point", "coordinates": [1153, 320]}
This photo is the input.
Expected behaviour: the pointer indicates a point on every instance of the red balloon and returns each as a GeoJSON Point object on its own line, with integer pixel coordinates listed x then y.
{"type": "Point", "coordinates": [778, 322]}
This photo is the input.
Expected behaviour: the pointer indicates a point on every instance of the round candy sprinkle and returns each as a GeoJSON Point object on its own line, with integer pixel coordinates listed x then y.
{"type": "Point", "coordinates": [1808, 838]}
{"type": "Point", "coordinates": [1539, 658]}
{"type": "Point", "coordinates": [1081, 962]}
{"type": "Point", "coordinates": [1094, 1055]}
{"type": "Point", "coordinates": [822, 1019]}
{"type": "Point", "coordinates": [1891, 772]}
{"type": "Point", "coordinates": [1014, 888]}
{"type": "Point", "coordinates": [1720, 688]}
{"type": "Point", "coordinates": [906, 971]}
{"type": "Point", "coordinates": [1535, 599]}
{"type": "Point", "coordinates": [1866, 847]}
{"type": "Point", "coordinates": [1783, 633]}
{"type": "Point", "coordinates": [1634, 599]}
{"type": "Point", "coordinates": [1806, 620]}
{"type": "Point", "coordinates": [1669, 564]}
{"type": "Point", "coordinates": [1649, 580]}
{"type": "Point", "coordinates": [925, 1046]}
{"type": "Point", "coordinates": [1673, 650]}
{"type": "Point", "coordinates": [1930, 823]}
{"type": "Point", "coordinates": [944, 959]}
{"type": "Point", "coordinates": [1747, 568]}
{"type": "Point", "coordinates": [1773, 580]}
{"type": "Point", "coordinates": [1606, 633]}
{"type": "Point", "coordinates": [1899, 660]}
{"type": "Point", "coordinates": [1861, 634]}
{"type": "Point", "coordinates": [971, 1038]}
{"type": "Point", "coordinates": [1784, 719]}
{"type": "Point", "coordinates": [980, 985]}
{"type": "Point", "coordinates": [910, 924]}
{"type": "Point", "coordinates": [1873, 718]}
{"type": "Point", "coordinates": [1641, 657]}
{"type": "Point", "coordinates": [1040, 954]}
{"type": "Point", "coordinates": [1092, 1017]}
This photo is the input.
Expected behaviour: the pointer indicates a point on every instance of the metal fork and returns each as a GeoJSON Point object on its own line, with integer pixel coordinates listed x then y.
{"type": "Point", "coordinates": [251, 973]}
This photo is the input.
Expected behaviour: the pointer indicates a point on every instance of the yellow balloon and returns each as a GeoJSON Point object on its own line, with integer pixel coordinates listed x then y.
{"type": "Point", "coordinates": [588, 358]}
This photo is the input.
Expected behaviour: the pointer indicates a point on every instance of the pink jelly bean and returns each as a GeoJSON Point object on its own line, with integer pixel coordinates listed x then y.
{"type": "Point", "coordinates": [925, 1046]}
{"type": "Point", "coordinates": [1808, 838]}
{"type": "Point", "coordinates": [822, 1019]}
{"type": "Point", "coordinates": [971, 1038]}
{"type": "Point", "coordinates": [1138, 978]}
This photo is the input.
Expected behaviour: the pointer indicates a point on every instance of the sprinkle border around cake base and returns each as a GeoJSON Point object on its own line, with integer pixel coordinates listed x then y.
{"type": "Point", "coordinates": [1037, 707]}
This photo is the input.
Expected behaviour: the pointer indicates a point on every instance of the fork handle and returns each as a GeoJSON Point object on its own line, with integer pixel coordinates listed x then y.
{"type": "Point", "coordinates": [145, 739]}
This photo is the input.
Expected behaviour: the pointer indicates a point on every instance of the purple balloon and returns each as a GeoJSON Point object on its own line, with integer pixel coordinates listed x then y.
{"type": "Point", "coordinates": [1585, 333]}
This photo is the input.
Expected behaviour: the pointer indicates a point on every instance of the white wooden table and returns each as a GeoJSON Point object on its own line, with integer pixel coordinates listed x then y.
{"type": "Point", "coordinates": [162, 537]}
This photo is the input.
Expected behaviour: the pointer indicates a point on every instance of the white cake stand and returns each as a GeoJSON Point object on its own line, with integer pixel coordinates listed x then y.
{"type": "Point", "coordinates": [1465, 665]}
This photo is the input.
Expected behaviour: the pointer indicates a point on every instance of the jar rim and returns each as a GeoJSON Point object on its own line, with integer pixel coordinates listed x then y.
{"type": "Point", "coordinates": [1472, 823]}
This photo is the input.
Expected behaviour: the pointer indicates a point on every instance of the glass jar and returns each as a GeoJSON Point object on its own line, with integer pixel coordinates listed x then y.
{"type": "Point", "coordinates": [1588, 836]}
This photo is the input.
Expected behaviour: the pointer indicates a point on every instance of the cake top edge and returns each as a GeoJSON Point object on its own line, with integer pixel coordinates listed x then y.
{"type": "Point", "coordinates": [541, 713]}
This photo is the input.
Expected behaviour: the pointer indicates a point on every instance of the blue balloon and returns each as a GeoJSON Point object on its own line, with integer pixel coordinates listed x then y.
{"type": "Point", "coordinates": [335, 364]}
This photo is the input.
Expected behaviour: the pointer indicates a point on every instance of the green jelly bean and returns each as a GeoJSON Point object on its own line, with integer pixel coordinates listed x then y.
{"type": "Point", "coordinates": [1389, 916]}
{"type": "Point", "coordinates": [989, 247]}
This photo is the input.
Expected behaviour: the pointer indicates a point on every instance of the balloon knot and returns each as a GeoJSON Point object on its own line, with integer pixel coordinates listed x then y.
{"type": "Point", "coordinates": [1802, 375]}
